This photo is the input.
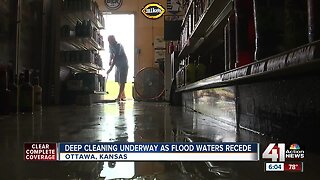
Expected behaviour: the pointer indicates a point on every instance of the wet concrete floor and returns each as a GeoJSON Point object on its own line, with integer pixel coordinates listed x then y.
{"type": "Point", "coordinates": [133, 122]}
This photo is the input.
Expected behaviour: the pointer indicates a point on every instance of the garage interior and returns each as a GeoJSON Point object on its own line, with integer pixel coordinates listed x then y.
{"type": "Point", "coordinates": [204, 71]}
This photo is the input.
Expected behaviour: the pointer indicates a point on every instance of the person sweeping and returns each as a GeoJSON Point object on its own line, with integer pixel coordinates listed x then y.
{"type": "Point", "coordinates": [118, 58]}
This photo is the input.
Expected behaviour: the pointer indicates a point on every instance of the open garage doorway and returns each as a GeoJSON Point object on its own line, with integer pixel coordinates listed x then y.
{"type": "Point", "coordinates": [122, 27]}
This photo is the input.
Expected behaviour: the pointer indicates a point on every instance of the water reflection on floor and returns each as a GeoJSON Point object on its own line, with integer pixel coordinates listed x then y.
{"type": "Point", "coordinates": [126, 121]}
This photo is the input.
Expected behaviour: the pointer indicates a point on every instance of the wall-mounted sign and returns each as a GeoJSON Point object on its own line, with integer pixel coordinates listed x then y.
{"type": "Point", "coordinates": [153, 11]}
{"type": "Point", "coordinates": [113, 4]}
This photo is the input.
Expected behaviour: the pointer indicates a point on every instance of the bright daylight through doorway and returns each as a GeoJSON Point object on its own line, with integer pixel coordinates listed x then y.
{"type": "Point", "coordinates": [122, 27]}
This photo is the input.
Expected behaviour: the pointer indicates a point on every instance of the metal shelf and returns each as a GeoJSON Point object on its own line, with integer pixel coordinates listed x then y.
{"type": "Point", "coordinates": [73, 16]}
{"type": "Point", "coordinates": [79, 43]}
{"type": "Point", "coordinates": [80, 67]}
{"type": "Point", "coordinates": [214, 15]}
{"type": "Point", "coordinates": [187, 11]}
{"type": "Point", "coordinates": [300, 60]}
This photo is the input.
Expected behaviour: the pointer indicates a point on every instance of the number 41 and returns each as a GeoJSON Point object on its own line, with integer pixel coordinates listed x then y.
{"type": "Point", "coordinates": [274, 152]}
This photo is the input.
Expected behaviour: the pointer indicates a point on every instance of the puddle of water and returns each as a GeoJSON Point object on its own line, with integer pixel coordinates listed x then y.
{"type": "Point", "coordinates": [113, 122]}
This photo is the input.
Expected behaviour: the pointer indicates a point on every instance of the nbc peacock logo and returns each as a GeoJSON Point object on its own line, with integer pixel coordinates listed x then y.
{"type": "Point", "coordinates": [294, 152]}
{"type": "Point", "coordinates": [294, 147]}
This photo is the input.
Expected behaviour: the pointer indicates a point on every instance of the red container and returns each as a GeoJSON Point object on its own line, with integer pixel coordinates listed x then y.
{"type": "Point", "coordinates": [245, 32]}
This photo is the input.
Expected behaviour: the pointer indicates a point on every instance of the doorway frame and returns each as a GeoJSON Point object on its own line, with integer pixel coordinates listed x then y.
{"type": "Point", "coordinates": [136, 51]}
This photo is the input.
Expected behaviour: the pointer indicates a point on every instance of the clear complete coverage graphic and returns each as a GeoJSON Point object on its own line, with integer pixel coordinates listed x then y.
{"type": "Point", "coordinates": [141, 151]}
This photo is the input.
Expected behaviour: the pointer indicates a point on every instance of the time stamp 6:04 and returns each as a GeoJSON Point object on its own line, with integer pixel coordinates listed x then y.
{"type": "Point", "coordinates": [294, 167]}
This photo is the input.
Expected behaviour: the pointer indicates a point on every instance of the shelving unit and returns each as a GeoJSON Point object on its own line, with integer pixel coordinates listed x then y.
{"type": "Point", "coordinates": [265, 70]}
{"type": "Point", "coordinates": [80, 43]}
{"type": "Point", "coordinates": [209, 20]}
{"type": "Point", "coordinates": [72, 16]}
{"type": "Point", "coordinates": [76, 43]}
{"type": "Point", "coordinates": [87, 67]}
{"type": "Point", "coordinates": [294, 62]}
{"type": "Point", "coordinates": [80, 61]}
{"type": "Point", "coordinates": [204, 32]}
{"type": "Point", "coordinates": [71, 41]}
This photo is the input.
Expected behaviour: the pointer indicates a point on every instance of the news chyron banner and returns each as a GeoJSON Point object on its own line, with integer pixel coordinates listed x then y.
{"type": "Point", "coordinates": [283, 159]}
{"type": "Point", "coordinates": [130, 151]}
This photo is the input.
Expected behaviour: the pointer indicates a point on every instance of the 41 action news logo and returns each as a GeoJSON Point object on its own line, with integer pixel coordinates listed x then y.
{"type": "Point", "coordinates": [276, 152]}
